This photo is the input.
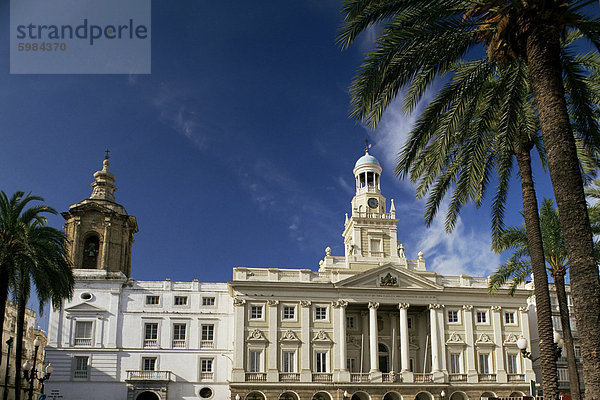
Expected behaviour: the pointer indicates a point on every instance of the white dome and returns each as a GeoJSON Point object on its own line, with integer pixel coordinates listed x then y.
{"type": "Point", "coordinates": [366, 159]}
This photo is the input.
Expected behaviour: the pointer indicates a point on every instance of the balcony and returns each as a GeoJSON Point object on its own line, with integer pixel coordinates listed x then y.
{"type": "Point", "coordinates": [289, 377]}
{"type": "Point", "coordinates": [80, 374]}
{"type": "Point", "coordinates": [207, 344]}
{"type": "Point", "coordinates": [256, 376]}
{"type": "Point", "coordinates": [457, 377]}
{"type": "Point", "coordinates": [516, 377]}
{"type": "Point", "coordinates": [322, 377]}
{"type": "Point", "coordinates": [148, 375]}
{"type": "Point", "coordinates": [84, 342]}
{"type": "Point", "coordinates": [390, 377]}
{"type": "Point", "coordinates": [421, 377]}
{"type": "Point", "coordinates": [204, 376]}
{"type": "Point", "coordinates": [179, 344]}
{"type": "Point", "coordinates": [487, 377]}
{"type": "Point", "coordinates": [152, 343]}
{"type": "Point", "coordinates": [360, 377]}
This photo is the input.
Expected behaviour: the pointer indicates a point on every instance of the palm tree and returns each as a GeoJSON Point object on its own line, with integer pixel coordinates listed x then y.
{"type": "Point", "coordinates": [35, 252]}
{"type": "Point", "coordinates": [518, 268]}
{"type": "Point", "coordinates": [421, 40]}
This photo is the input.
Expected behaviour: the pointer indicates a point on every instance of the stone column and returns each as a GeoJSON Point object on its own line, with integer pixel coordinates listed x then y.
{"type": "Point", "coordinates": [528, 370]}
{"type": "Point", "coordinates": [75, 248]}
{"type": "Point", "coordinates": [394, 355]}
{"type": "Point", "coordinates": [472, 376]}
{"type": "Point", "coordinates": [344, 374]}
{"type": "Point", "coordinates": [435, 338]}
{"type": "Point", "coordinates": [105, 243]}
{"type": "Point", "coordinates": [272, 356]}
{"type": "Point", "coordinates": [239, 329]}
{"type": "Point", "coordinates": [99, 334]}
{"type": "Point", "coordinates": [373, 338]}
{"type": "Point", "coordinates": [499, 350]}
{"type": "Point", "coordinates": [68, 338]}
{"type": "Point", "coordinates": [364, 341]}
{"type": "Point", "coordinates": [305, 370]}
{"type": "Point", "coordinates": [407, 375]}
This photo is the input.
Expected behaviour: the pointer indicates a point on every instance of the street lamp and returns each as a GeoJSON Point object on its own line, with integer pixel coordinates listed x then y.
{"type": "Point", "coordinates": [30, 373]}
{"type": "Point", "coordinates": [558, 344]}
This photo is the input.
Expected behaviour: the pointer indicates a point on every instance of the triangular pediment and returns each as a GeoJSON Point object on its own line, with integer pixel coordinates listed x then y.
{"type": "Point", "coordinates": [85, 307]}
{"type": "Point", "coordinates": [389, 276]}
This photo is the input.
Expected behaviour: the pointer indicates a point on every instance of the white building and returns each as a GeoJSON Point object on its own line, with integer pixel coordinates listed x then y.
{"type": "Point", "coordinates": [124, 339]}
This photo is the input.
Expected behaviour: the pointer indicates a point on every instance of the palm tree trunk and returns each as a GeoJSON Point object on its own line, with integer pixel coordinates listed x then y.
{"type": "Point", "coordinates": [563, 306]}
{"type": "Point", "coordinates": [543, 60]}
{"type": "Point", "coordinates": [540, 278]}
{"type": "Point", "coordinates": [3, 298]}
{"type": "Point", "coordinates": [22, 303]}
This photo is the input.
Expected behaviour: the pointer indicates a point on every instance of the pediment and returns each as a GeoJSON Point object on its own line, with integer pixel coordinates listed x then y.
{"type": "Point", "coordinates": [484, 340]}
{"type": "Point", "coordinates": [256, 336]}
{"type": "Point", "coordinates": [511, 340]}
{"type": "Point", "coordinates": [455, 340]}
{"type": "Point", "coordinates": [322, 337]}
{"type": "Point", "coordinates": [289, 336]}
{"type": "Point", "coordinates": [389, 276]}
{"type": "Point", "coordinates": [85, 307]}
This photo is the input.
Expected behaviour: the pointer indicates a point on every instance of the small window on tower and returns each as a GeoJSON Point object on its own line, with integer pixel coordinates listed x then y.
{"type": "Point", "coordinates": [90, 252]}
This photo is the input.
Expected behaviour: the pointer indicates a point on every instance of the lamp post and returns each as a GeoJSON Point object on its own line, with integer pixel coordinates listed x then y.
{"type": "Point", "coordinates": [558, 345]}
{"type": "Point", "coordinates": [30, 373]}
{"type": "Point", "coordinates": [9, 342]}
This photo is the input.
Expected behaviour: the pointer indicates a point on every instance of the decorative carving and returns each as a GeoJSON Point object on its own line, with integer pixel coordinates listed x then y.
{"type": "Point", "coordinates": [373, 305]}
{"type": "Point", "coordinates": [496, 308]}
{"type": "Point", "coordinates": [524, 309]}
{"type": "Point", "coordinates": [305, 303]}
{"type": "Point", "coordinates": [484, 340]}
{"type": "Point", "coordinates": [272, 302]}
{"type": "Point", "coordinates": [238, 301]}
{"type": "Point", "coordinates": [420, 256]}
{"type": "Point", "coordinates": [289, 336]}
{"type": "Point", "coordinates": [511, 340]}
{"type": "Point", "coordinates": [468, 307]}
{"type": "Point", "coordinates": [435, 306]}
{"type": "Point", "coordinates": [455, 339]}
{"type": "Point", "coordinates": [328, 251]}
{"type": "Point", "coordinates": [256, 335]}
{"type": "Point", "coordinates": [403, 306]}
{"type": "Point", "coordinates": [389, 280]}
{"type": "Point", "coordinates": [340, 303]}
{"type": "Point", "coordinates": [401, 251]}
{"type": "Point", "coordinates": [322, 336]}
{"type": "Point", "coordinates": [353, 340]}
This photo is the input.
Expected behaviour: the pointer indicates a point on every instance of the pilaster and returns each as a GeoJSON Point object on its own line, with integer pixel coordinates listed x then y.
{"type": "Point", "coordinates": [305, 370]}
{"type": "Point", "coordinates": [239, 328]}
{"type": "Point", "coordinates": [472, 376]}
{"type": "Point", "coordinates": [272, 356]}
{"type": "Point", "coordinates": [501, 376]}
{"type": "Point", "coordinates": [528, 370]}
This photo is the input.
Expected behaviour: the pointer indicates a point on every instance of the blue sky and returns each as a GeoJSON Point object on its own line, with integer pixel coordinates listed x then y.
{"type": "Point", "coordinates": [236, 150]}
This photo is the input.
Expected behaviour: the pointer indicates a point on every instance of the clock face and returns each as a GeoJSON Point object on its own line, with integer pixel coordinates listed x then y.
{"type": "Point", "coordinates": [372, 202]}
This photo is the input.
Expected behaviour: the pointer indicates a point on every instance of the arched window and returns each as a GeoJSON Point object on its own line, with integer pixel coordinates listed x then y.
{"type": "Point", "coordinates": [384, 359]}
{"type": "Point", "coordinates": [91, 248]}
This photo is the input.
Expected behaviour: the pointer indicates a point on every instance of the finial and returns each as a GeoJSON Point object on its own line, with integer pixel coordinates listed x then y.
{"type": "Point", "coordinates": [367, 146]}
{"type": "Point", "coordinates": [104, 187]}
{"type": "Point", "coordinates": [106, 157]}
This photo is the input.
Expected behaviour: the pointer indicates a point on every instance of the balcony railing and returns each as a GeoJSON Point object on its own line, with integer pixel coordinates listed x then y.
{"type": "Point", "coordinates": [87, 342]}
{"type": "Point", "coordinates": [148, 375]}
{"type": "Point", "coordinates": [80, 374]}
{"type": "Point", "coordinates": [150, 342]}
{"type": "Point", "coordinates": [207, 344]}
{"type": "Point", "coordinates": [360, 377]}
{"type": "Point", "coordinates": [457, 377]}
{"type": "Point", "coordinates": [206, 375]}
{"type": "Point", "coordinates": [516, 377]}
{"type": "Point", "coordinates": [256, 376]}
{"type": "Point", "coordinates": [390, 377]}
{"type": "Point", "coordinates": [487, 377]}
{"type": "Point", "coordinates": [179, 344]}
{"type": "Point", "coordinates": [289, 377]}
{"type": "Point", "coordinates": [322, 377]}
{"type": "Point", "coordinates": [421, 377]}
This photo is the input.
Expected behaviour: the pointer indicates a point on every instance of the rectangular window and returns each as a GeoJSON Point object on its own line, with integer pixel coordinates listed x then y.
{"type": "Point", "coordinates": [351, 364]}
{"type": "Point", "coordinates": [484, 367]}
{"type": "Point", "coordinates": [411, 362]}
{"type": "Point", "coordinates": [289, 312]}
{"type": "Point", "coordinates": [206, 365]}
{"type": "Point", "coordinates": [181, 300]}
{"type": "Point", "coordinates": [563, 375]}
{"type": "Point", "coordinates": [578, 352]}
{"type": "Point", "coordinates": [321, 361]}
{"type": "Point", "coordinates": [375, 246]}
{"type": "Point", "coordinates": [179, 331]}
{"type": "Point", "coordinates": [452, 316]}
{"type": "Point", "coordinates": [320, 313]}
{"type": "Point", "coordinates": [151, 334]}
{"type": "Point", "coordinates": [350, 323]}
{"type": "Point", "coordinates": [149, 363]}
{"type": "Point", "coordinates": [409, 323]}
{"type": "Point", "coordinates": [254, 360]}
{"type": "Point", "coordinates": [256, 312]}
{"type": "Point", "coordinates": [152, 300]}
{"type": "Point", "coordinates": [81, 367]}
{"type": "Point", "coordinates": [83, 333]}
{"type": "Point", "coordinates": [482, 317]}
{"type": "Point", "coordinates": [509, 318]}
{"type": "Point", "coordinates": [208, 301]}
{"type": "Point", "coordinates": [455, 364]}
{"type": "Point", "coordinates": [288, 361]}
{"type": "Point", "coordinates": [511, 364]}
{"type": "Point", "coordinates": [208, 332]}
{"type": "Point", "coordinates": [556, 323]}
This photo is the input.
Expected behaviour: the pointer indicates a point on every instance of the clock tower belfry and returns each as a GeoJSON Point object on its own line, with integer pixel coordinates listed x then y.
{"type": "Point", "coordinates": [370, 233]}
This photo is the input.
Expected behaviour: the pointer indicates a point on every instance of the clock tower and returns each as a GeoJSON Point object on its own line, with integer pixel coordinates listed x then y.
{"type": "Point", "coordinates": [370, 234]}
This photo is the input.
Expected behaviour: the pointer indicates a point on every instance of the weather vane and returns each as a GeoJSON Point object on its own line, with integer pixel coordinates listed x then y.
{"type": "Point", "coordinates": [367, 145]}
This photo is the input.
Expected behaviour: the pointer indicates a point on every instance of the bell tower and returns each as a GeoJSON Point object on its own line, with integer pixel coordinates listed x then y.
{"type": "Point", "coordinates": [99, 231]}
{"type": "Point", "coordinates": [370, 234]}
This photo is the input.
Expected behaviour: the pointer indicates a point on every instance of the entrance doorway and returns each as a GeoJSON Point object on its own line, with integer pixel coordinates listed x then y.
{"type": "Point", "coordinates": [147, 396]}
{"type": "Point", "coordinates": [384, 358]}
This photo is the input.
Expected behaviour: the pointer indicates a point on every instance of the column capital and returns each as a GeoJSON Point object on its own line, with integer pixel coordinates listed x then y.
{"type": "Point", "coordinates": [340, 304]}
{"type": "Point", "coordinates": [305, 303]}
{"type": "Point", "coordinates": [373, 305]}
{"type": "Point", "coordinates": [496, 308]}
{"type": "Point", "coordinates": [524, 309]}
{"type": "Point", "coordinates": [272, 302]}
{"type": "Point", "coordinates": [403, 306]}
{"type": "Point", "coordinates": [435, 306]}
{"type": "Point", "coordinates": [468, 307]}
{"type": "Point", "coordinates": [238, 301]}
